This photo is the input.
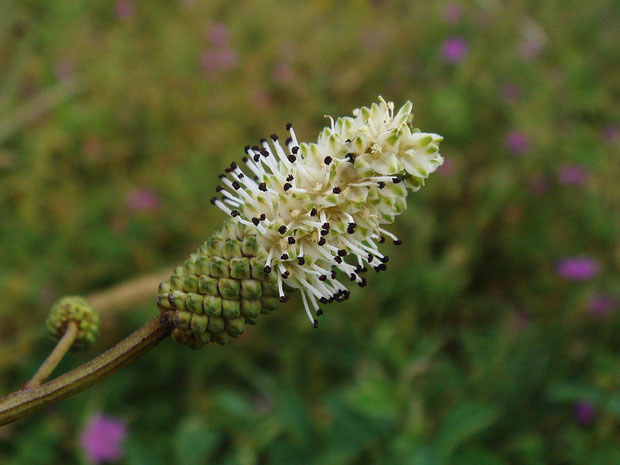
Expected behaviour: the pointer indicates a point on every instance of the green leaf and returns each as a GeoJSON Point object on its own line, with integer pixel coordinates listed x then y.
{"type": "Point", "coordinates": [193, 442]}
{"type": "Point", "coordinates": [460, 424]}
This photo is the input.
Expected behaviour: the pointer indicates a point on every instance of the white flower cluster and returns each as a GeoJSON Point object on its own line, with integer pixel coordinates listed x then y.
{"type": "Point", "coordinates": [318, 208]}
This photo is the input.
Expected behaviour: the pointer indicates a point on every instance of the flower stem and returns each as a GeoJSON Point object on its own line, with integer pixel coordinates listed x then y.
{"type": "Point", "coordinates": [52, 361]}
{"type": "Point", "coordinates": [22, 403]}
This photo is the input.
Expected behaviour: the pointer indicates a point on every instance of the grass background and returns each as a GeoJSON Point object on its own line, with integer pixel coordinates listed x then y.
{"type": "Point", "coordinates": [471, 349]}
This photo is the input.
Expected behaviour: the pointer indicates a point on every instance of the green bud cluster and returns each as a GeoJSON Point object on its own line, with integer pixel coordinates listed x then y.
{"type": "Point", "coordinates": [78, 310]}
{"type": "Point", "coordinates": [219, 289]}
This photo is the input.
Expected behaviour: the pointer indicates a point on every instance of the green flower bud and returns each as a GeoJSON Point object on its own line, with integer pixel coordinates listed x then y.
{"type": "Point", "coordinates": [76, 309]}
{"type": "Point", "coordinates": [219, 289]}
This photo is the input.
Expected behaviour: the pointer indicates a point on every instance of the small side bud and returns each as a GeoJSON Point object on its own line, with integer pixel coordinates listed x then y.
{"type": "Point", "coordinates": [74, 309]}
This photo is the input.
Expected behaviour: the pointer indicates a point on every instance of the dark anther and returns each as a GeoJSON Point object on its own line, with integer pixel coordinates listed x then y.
{"type": "Point", "coordinates": [284, 256]}
{"type": "Point", "coordinates": [256, 148]}
{"type": "Point", "coordinates": [337, 259]}
{"type": "Point", "coordinates": [219, 189]}
{"type": "Point", "coordinates": [362, 283]}
{"type": "Point", "coordinates": [315, 324]}
{"type": "Point", "coordinates": [291, 240]}
{"type": "Point", "coordinates": [256, 157]}
{"type": "Point", "coordinates": [325, 225]}
{"type": "Point", "coordinates": [234, 213]}
{"type": "Point", "coordinates": [342, 253]}
{"type": "Point", "coordinates": [236, 185]}
{"type": "Point", "coordinates": [221, 176]}
{"type": "Point", "coordinates": [262, 186]}
{"type": "Point", "coordinates": [282, 229]}
{"type": "Point", "coordinates": [241, 175]}
{"type": "Point", "coordinates": [327, 160]}
{"type": "Point", "coordinates": [255, 221]}
{"type": "Point", "coordinates": [213, 200]}
{"type": "Point", "coordinates": [398, 242]}
{"type": "Point", "coordinates": [287, 186]}
{"type": "Point", "coordinates": [264, 153]}
{"type": "Point", "coordinates": [322, 277]}
{"type": "Point", "coordinates": [321, 241]}
{"type": "Point", "coordinates": [289, 126]}
{"type": "Point", "coordinates": [263, 140]}
{"type": "Point", "coordinates": [289, 178]}
{"type": "Point", "coordinates": [396, 180]}
{"type": "Point", "coordinates": [313, 212]}
{"type": "Point", "coordinates": [324, 232]}
{"type": "Point", "coordinates": [352, 277]}
{"type": "Point", "coordinates": [292, 158]}
{"type": "Point", "coordinates": [295, 149]}
{"type": "Point", "coordinates": [336, 190]}
{"type": "Point", "coordinates": [283, 299]}
{"type": "Point", "coordinates": [385, 259]}
{"type": "Point", "coordinates": [267, 269]}
{"type": "Point", "coordinates": [319, 312]}
{"type": "Point", "coordinates": [381, 184]}
{"type": "Point", "coordinates": [245, 159]}
{"type": "Point", "coordinates": [274, 137]}
{"type": "Point", "coordinates": [334, 275]}
{"type": "Point", "coordinates": [381, 240]}
{"type": "Point", "coordinates": [323, 300]}
{"type": "Point", "coordinates": [288, 141]}
{"type": "Point", "coordinates": [301, 260]}
{"type": "Point", "coordinates": [350, 157]}
{"type": "Point", "coordinates": [285, 275]}
{"type": "Point", "coordinates": [370, 258]}
{"type": "Point", "coordinates": [247, 147]}
{"type": "Point", "coordinates": [262, 217]}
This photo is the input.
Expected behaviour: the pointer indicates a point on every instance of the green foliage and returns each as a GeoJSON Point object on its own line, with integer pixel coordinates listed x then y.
{"type": "Point", "coordinates": [470, 349]}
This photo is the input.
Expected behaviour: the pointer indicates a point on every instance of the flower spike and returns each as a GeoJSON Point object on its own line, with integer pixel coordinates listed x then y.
{"type": "Point", "coordinates": [316, 209]}
{"type": "Point", "coordinates": [341, 188]}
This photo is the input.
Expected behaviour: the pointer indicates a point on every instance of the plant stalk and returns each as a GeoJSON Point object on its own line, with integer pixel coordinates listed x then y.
{"type": "Point", "coordinates": [22, 403]}
{"type": "Point", "coordinates": [54, 358]}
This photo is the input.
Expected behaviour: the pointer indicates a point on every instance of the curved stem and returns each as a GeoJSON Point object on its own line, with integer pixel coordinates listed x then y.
{"type": "Point", "coordinates": [22, 403]}
{"type": "Point", "coordinates": [52, 361]}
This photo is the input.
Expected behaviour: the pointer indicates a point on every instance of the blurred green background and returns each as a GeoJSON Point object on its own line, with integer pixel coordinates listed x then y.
{"type": "Point", "coordinates": [493, 337]}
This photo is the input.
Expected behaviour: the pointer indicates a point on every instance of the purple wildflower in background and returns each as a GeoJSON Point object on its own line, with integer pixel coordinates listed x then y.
{"type": "Point", "coordinates": [102, 439]}
{"type": "Point", "coordinates": [124, 9]}
{"type": "Point", "coordinates": [517, 142]}
{"type": "Point", "coordinates": [533, 39]}
{"type": "Point", "coordinates": [143, 199]}
{"type": "Point", "coordinates": [218, 35]}
{"type": "Point", "coordinates": [448, 168]}
{"type": "Point", "coordinates": [577, 268]}
{"type": "Point", "coordinates": [452, 13]}
{"type": "Point", "coordinates": [213, 59]}
{"type": "Point", "coordinates": [63, 70]}
{"type": "Point", "coordinates": [601, 305]}
{"type": "Point", "coordinates": [611, 134]}
{"type": "Point", "coordinates": [511, 92]}
{"type": "Point", "coordinates": [282, 73]}
{"type": "Point", "coordinates": [572, 175]}
{"type": "Point", "coordinates": [583, 412]}
{"type": "Point", "coordinates": [539, 185]}
{"type": "Point", "coordinates": [454, 49]}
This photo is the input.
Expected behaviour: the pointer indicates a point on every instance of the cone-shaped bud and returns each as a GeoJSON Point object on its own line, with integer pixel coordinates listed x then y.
{"type": "Point", "coordinates": [76, 309]}
{"type": "Point", "coordinates": [214, 296]}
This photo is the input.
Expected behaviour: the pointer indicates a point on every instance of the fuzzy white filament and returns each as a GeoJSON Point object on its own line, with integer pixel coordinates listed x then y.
{"type": "Point", "coordinates": [319, 207]}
